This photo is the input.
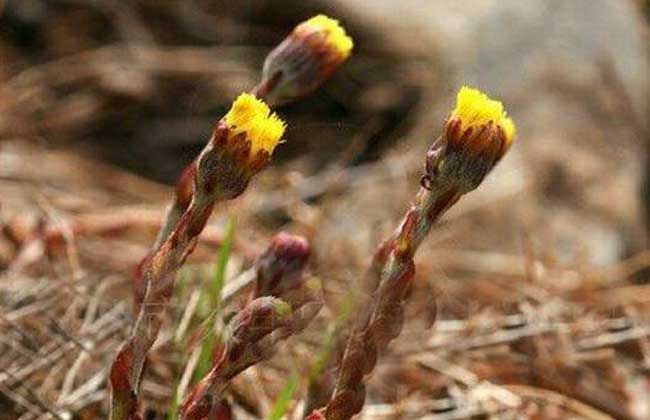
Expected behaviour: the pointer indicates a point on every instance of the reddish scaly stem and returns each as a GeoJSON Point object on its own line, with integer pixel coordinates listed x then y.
{"type": "Point", "coordinates": [182, 200]}
{"type": "Point", "coordinates": [385, 317]}
{"type": "Point", "coordinates": [222, 172]}
{"type": "Point", "coordinates": [389, 279]}
{"type": "Point", "coordinates": [304, 60]}
{"type": "Point", "coordinates": [429, 204]}
{"type": "Point", "coordinates": [477, 134]}
{"type": "Point", "coordinates": [320, 46]}
{"type": "Point", "coordinates": [254, 334]}
{"type": "Point", "coordinates": [284, 304]}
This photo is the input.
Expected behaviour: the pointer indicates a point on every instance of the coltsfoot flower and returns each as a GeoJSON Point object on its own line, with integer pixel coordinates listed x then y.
{"type": "Point", "coordinates": [477, 134]}
{"type": "Point", "coordinates": [253, 118]}
{"type": "Point", "coordinates": [241, 145]}
{"type": "Point", "coordinates": [305, 59]}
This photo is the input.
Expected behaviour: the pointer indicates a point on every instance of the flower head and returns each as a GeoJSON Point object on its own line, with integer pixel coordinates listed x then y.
{"type": "Point", "coordinates": [253, 117]}
{"type": "Point", "coordinates": [476, 110]}
{"type": "Point", "coordinates": [304, 60]}
{"type": "Point", "coordinates": [333, 33]}
{"type": "Point", "coordinates": [241, 145]}
{"type": "Point", "coordinates": [477, 135]}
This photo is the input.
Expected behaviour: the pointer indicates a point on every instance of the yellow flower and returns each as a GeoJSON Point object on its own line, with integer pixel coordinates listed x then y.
{"type": "Point", "coordinates": [305, 59]}
{"type": "Point", "coordinates": [476, 136]}
{"type": "Point", "coordinates": [475, 109]}
{"type": "Point", "coordinates": [335, 35]}
{"type": "Point", "coordinates": [252, 116]}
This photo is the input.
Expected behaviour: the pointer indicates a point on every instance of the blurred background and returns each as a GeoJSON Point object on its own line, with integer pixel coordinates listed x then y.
{"type": "Point", "coordinates": [541, 276]}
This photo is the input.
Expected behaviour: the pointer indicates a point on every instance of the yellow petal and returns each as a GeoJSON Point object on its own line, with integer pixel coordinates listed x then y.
{"type": "Point", "coordinates": [475, 109]}
{"type": "Point", "coordinates": [334, 33]}
{"type": "Point", "coordinates": [252, 116]}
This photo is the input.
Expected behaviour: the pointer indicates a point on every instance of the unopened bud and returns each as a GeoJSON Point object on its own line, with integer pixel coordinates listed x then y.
{"type": "Point", "coordinates": [304, 60]}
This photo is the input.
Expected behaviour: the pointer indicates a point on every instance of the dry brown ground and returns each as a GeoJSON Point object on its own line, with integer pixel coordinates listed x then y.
{"type": "Point", "coordinates": [540, 277]}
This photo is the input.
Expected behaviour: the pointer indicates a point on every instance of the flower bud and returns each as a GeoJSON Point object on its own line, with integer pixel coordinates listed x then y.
{"type": "Point", "coordinates": [304, 60]}
{"type": "Point", "coordinates": [241, 146]}
{"type": "Point", "coordinates": [476, 136]}
{"type": "Point", "coordinates": [253, 119]}
{"type": "Point", "coordinates": [280, 267]}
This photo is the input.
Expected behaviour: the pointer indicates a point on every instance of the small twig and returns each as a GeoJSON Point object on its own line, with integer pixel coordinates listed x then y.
{"type": "Point", "coordinates": [561, 400]}
{"type": "Point", "coordinates": [188, 313]}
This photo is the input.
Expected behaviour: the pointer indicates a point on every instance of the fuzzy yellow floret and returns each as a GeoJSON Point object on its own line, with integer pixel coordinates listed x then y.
{"type": "Point", "coordinates": [475, 109]}
{"type": "Point", "coordinates": [509, 129]}
{"type": "Point", "coordinates": [252, 116]}
{"type": "Point", "coordinates": [335, 34]}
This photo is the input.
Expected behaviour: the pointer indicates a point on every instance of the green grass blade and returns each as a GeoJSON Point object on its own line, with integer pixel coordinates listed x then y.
{"type": "Point", "coordinates": [174, 405]}
{"type": "Point", "coordinates": [205, 358]}
{"type": "Point", "coordinates": [284, 399]}
{"type": "Point", "coordinates": [215, 287]}
{"type": "Point", "coordinates": [326, 347]}
{"type": "Point", "coordinates": [212, 293]}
